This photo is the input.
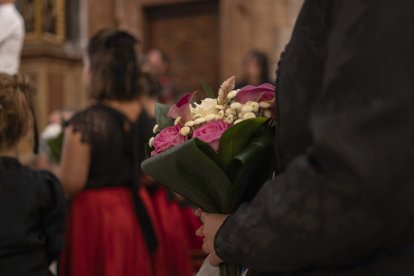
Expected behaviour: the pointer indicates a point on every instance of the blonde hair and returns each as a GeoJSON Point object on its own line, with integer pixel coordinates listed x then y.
{"type": "Point", "coordinates": [16, 108]}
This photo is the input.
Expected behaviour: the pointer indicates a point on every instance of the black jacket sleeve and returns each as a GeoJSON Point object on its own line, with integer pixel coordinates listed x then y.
{"type": "Point", "coordinates": [351, 192]}
{"type": "Point", "coordinates": [54, 215]}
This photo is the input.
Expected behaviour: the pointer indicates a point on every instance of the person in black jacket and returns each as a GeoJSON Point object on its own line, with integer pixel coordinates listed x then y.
{"type": "Point", "coordinates": [342, 202]}
{"type": "Point", "coordinates": [32, 203]}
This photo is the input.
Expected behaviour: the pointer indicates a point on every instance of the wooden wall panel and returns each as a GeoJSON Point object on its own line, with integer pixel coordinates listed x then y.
{"type": "Point", "coordinates": [55, 91]}
{"type": "Point", "coordinates": [190, 35]}
{"type": "Point", "coordinates": [101, 14]}
{"type": "Point", "coordinates": [254, 24]}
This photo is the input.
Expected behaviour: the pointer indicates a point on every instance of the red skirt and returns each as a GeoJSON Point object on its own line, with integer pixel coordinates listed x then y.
{"type": "Point", "coordinates": [104, 237]}
{"type": "Point", "coordinates": [176, 237]}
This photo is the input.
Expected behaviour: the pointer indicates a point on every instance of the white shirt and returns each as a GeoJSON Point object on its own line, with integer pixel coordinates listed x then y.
{"type": "Point", "coordinates": [11, 38]}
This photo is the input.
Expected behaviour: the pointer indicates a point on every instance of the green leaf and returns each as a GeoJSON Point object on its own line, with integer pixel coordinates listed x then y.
{"type": "Point", "coordinates": [147, 150]}
{"type": "Point", "coordinates": [250, 169]}
{"type": "Point", "coordinates": [237, 137]}
{"type": "Point", "coordinates": [206, 148]}
{"type": "Point", "coordinates": [227, 269]}
{"type": "Point", "coordinates": [55, 148]}
{"type": "Point", "coordinates": [191, 172]}
{"type": "Point", "coordinates": [207, 90]}
{"type": "Point", "coordinates": [161, 111]}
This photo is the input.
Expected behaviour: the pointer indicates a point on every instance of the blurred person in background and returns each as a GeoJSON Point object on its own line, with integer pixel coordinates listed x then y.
{"type": "Point", "coordinates": [51, 141]}
{"type": "Point", "coordinates": [32, 203]}
{"type": "Point", "coordinates": [158, 65]}
{"type": "Point", "coordinates": [112, 227]}
{"type": "Point", "coordinates": [256, 69]}
{"type": "Point", "coordinates": [11, 37]}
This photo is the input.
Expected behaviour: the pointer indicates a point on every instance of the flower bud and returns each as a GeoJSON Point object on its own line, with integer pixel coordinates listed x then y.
{"type": "Point", "coordinates": [238, 121]}
{"type": "Point", "coordinates": [264, 105]}
{"type": "Point", "coordinates": [230, 111]}
{"type": "Point", "coordinates": [210, 117]}
{"type": "Point", "coordinates": [151, 141]}
{"type": "Point", "coordinates": [236, 106]}
{"type": "Point", "coordinates": [249, 115]}
{"type": "Point", "coordinates": [155, 129]}
{"type": "Point", "coordinates": [177, 120]}
{"type": "Point", "coordinates": [229, 119]}
{"type": "Point", "coordinates": [247, 109]}
{"type": "Point", "coordinates": [199, 121]}
{"type": "Point", "coordinates": [232, 94]}
{"type": "Point", "coordinates": [220, 115]}
{"type": "Point", "coordinates": [254, 106]}
{"type": "Point", "coordinates": [189, 124]}
{"type": "Point", "coordinates": [267, 114]}
{"type": "Point", "coordinates": [184, 131]}
{"type": "Point", "coordinates": [198, 115]}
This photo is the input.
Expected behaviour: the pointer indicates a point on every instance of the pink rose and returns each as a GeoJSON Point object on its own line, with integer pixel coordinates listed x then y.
{"type": "Point", "coordinates": [167, 138]}
{"type": "Point", "coordinates": [211, 133]}
{"type": "Point", "coordinates": [264, 92]}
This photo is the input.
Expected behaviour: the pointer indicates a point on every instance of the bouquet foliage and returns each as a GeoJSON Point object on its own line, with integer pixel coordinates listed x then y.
{"type": "Point", "coordinates": [218, 153]}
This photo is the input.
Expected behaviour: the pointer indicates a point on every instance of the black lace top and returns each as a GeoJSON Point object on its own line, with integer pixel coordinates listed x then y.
{"type": "Point", "coordinates": [114, 141]}
{"type": "Point", "coordinates": [117, 150]}
{"type": "Point", "coordinates": [32, 214]}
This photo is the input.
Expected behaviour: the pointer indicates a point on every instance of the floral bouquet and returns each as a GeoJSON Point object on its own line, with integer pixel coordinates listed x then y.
{"type": "Point", "coordinates": [218, 153]}
{"type": "Point", "coordinates": [52, 142]}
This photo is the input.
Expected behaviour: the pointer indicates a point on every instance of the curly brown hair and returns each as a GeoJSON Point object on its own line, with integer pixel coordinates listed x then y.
{"type": "Point", "coordinates": [16, 107]}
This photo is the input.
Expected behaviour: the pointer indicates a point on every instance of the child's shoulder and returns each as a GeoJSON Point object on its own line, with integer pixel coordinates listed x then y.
{"type": "Point", "coordinates": [47, 184]}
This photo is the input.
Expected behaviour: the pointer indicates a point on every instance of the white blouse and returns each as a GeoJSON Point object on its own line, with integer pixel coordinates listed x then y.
{"type": "Point", "coordinates": [11, 38]}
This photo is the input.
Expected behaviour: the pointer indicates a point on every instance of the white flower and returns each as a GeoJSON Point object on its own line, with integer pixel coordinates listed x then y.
{"type": "Point", "coordinates": [220, 107]}
{"type": "Point", "coordinates": [210, 117]}
{"type": "Point", "coordinates": [199, 121]}
{"type": "Point", "coordinates": [247, 109]}
{"type": "Point", "coordinates": [220, 114]}
{"type": "Point", "coordinates": [177, 120]}
{"type": "Point", "coordinates": [184, 131]}
{"type": "Point", "coordinates": [232, 94]}
{"type": "Point", "coordinates": [230, 111]}
{"type": "Point", "coordinates": [155, 129]}
{"type": "Point", "coordinates": [236, 106]}
{"type": "Point", "coordinates": [189, 124]}
{"type": "Point", "coordinates": [264, 105]}
{"type": "Point", "coordinates": [151, 141]}
{"type": "Point", "coordinates": [249, 115]}
{"type": "Point", "coordinates": [255, 106]}
{"type": "Point", "coordinates": [229, 119]}
{"type": "Point", "coordinates": [267, 114]}
{"type": "Point", "coordinates": [51, 131]}
{"type": "Point", "coordinates": [238, 121]}
{"type": "Point", "coordinates": [207, 106]}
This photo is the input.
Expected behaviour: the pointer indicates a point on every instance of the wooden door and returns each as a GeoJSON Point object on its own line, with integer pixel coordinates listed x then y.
{"type": "Point", "coordinates": [189, 34]}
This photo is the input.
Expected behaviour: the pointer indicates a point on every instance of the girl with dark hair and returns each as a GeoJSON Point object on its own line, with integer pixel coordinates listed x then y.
{"type": "Point", "coordinates": [111, 227]}
{"type": "Point", "coordinates": [256, 69]}
{"type": "Point", "coordinates": [32, 203]}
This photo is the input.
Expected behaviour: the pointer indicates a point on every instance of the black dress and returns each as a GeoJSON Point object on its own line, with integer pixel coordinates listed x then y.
{"type": "Point", "coordinates": [32, 214]}
{"type": "Point", "coordinates": [119, 237]}
{"type": "Point", "coordinates": [343, 202]}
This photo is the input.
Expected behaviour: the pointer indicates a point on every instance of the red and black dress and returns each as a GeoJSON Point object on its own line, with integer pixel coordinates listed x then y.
{"type": "Point", "coordinates": [112, 229]}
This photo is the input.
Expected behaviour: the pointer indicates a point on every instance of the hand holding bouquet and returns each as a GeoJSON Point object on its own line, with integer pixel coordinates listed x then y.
{"type": "Point", "coordinates": [217, 153]}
